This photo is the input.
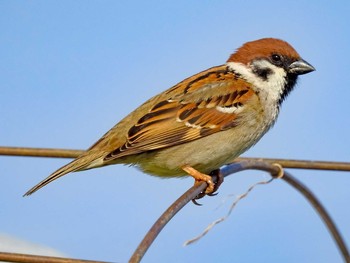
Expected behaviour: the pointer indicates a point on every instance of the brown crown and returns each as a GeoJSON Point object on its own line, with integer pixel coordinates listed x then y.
{"type": "Point", "coordinates": [261, 48]}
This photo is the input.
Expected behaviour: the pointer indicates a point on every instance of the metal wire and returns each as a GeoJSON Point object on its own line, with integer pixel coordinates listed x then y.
{"type": "Point", "coordinates": [66, 153]}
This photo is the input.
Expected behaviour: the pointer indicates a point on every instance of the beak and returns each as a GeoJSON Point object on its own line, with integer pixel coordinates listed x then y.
{"type": "Point", "coordinates": [300, 67]}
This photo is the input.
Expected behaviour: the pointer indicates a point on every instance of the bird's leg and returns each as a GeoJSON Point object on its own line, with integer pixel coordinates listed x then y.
{"type": "Point", "coordinates": [200, 177]}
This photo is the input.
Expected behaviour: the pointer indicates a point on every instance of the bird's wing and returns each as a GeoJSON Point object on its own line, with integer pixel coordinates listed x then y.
{"type": "Point", "coordinates": [206, 103]}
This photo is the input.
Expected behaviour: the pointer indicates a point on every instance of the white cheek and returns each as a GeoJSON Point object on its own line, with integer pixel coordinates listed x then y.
{"type": "Point", "coordinates": [273, 86]}
{"type": "Point", "coordinates": [275, 82]}
{"type": "Point", "coordinates": [269, 90]}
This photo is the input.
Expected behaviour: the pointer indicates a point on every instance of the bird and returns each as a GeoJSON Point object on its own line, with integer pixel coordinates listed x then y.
{"type": "Point", "coordinates": [203, 122]}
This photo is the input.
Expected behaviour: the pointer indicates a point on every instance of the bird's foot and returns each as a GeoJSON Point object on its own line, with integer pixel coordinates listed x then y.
{"type": "Point", "coordinates": [219, 179]}
{"type": "Point", "coordinates": [199, 177]}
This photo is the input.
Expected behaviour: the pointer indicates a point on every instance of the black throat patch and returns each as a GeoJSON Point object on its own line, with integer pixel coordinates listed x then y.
{"type": "Point", "coordinates": [291, 80]}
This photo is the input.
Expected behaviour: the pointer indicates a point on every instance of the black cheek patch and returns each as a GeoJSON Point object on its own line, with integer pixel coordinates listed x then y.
{"type": "Point", "coordinates": [262, 73]}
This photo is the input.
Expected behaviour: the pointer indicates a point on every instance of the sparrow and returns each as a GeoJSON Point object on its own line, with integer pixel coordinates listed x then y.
{"type": "Point", "coordinates": [204, 121]}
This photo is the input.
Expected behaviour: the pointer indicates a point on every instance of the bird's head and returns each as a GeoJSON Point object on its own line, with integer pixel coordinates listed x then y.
{"type": "Point", "coordinates": [272, 60]}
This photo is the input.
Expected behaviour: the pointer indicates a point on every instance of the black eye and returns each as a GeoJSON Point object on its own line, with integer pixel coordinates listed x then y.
{"type": "Point", "coordinates": [276, 58]}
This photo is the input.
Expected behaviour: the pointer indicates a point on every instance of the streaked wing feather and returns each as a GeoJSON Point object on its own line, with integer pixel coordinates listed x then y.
{"type": "Point", "coordinates": [188, 114]}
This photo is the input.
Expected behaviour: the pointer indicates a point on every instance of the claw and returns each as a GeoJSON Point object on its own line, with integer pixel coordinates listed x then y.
{"type": "Point", "coordinates": [195, 202]}
{"type": "Point", "coordinates": [200, 177]}
{"type": "Point", "coordinates": [219, 179]}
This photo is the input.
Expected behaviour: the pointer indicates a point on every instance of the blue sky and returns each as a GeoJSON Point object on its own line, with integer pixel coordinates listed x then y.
{"type": "Point", "coordinates": [70, 70]}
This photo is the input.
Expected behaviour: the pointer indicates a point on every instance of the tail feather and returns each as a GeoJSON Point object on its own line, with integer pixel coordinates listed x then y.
{"type": "Point", "coordinates": [81, 163]}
